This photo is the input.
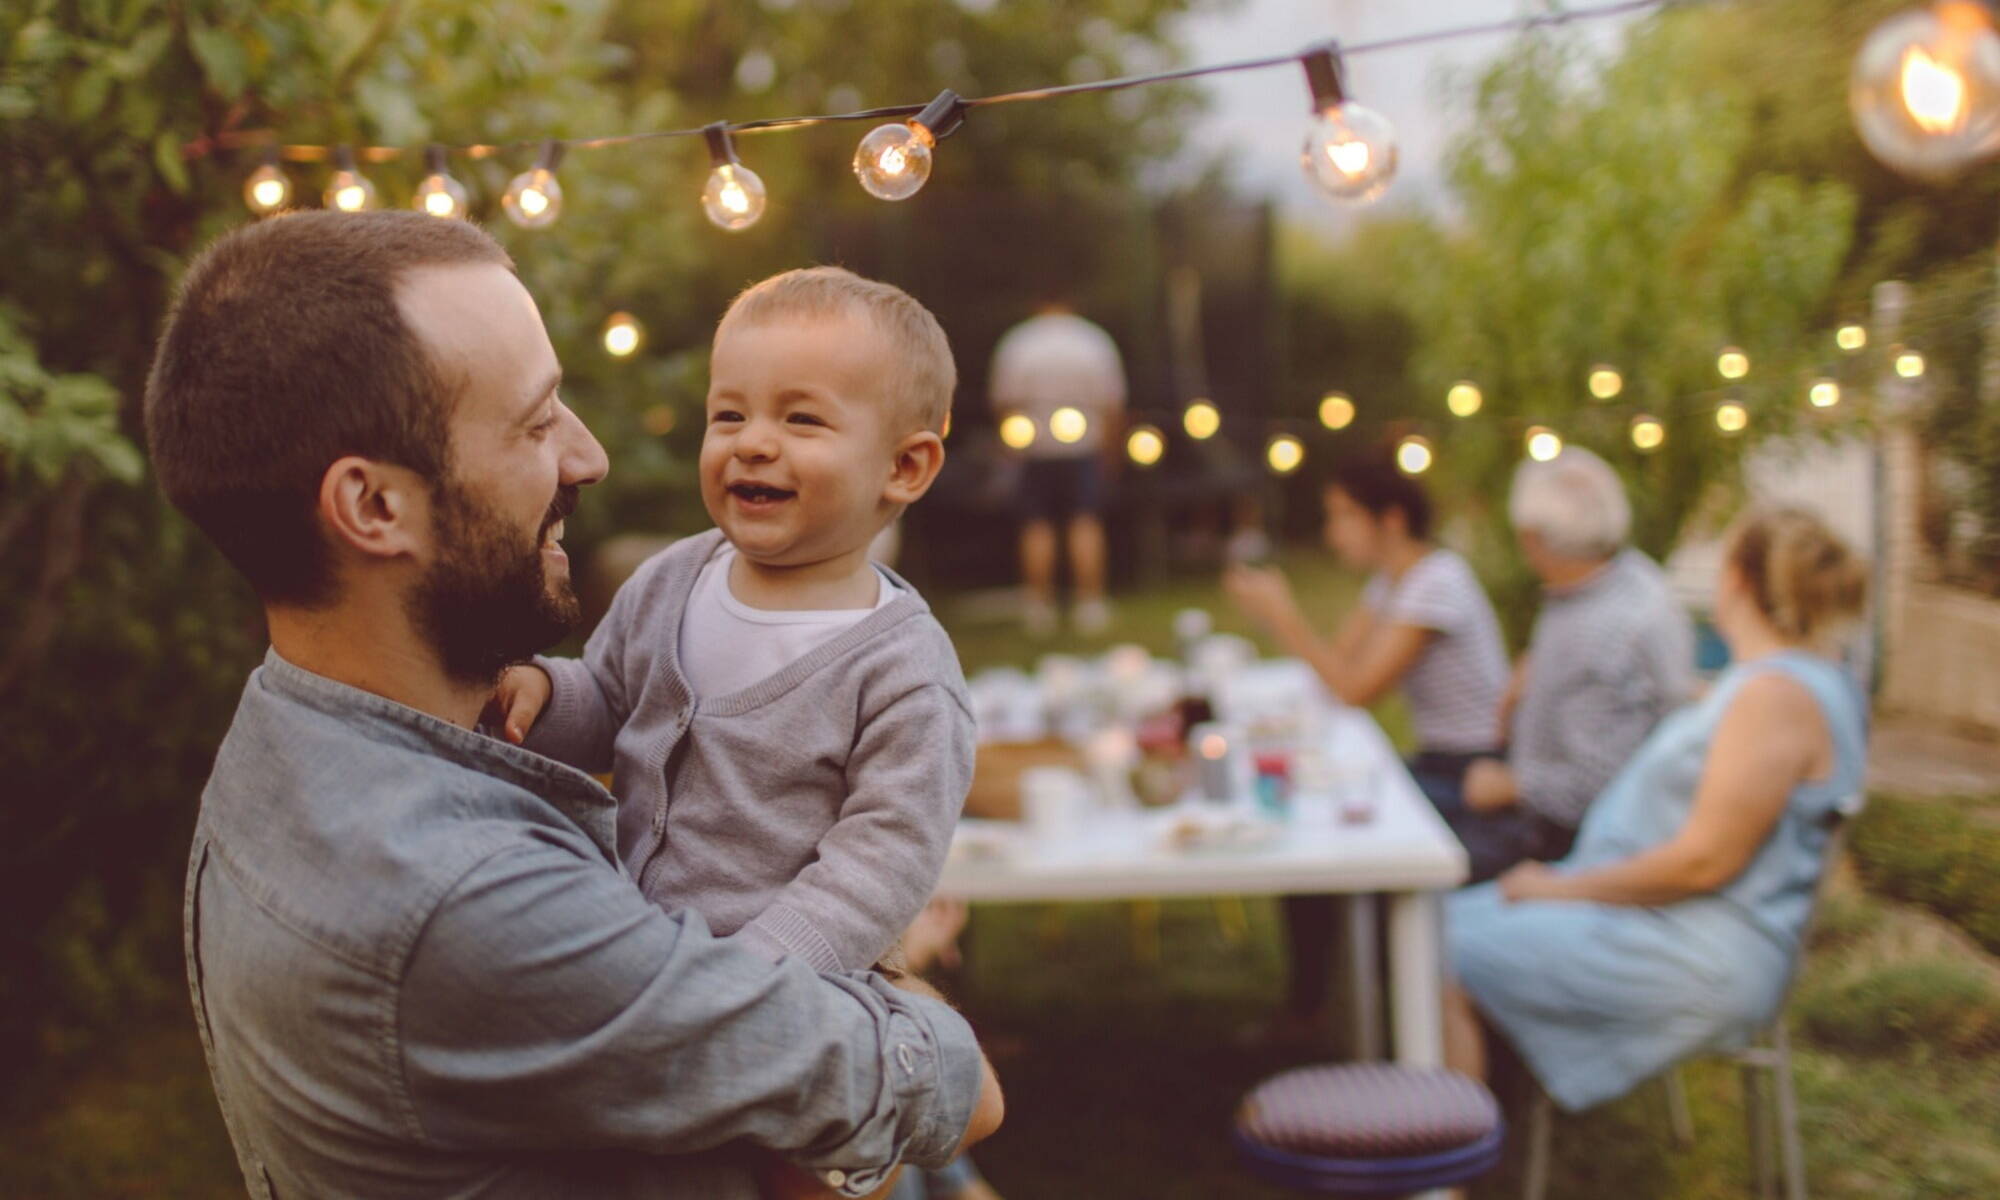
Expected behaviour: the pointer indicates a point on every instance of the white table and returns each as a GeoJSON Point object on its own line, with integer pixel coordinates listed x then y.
{"type": "Point", "coordinates": [1405, 850]}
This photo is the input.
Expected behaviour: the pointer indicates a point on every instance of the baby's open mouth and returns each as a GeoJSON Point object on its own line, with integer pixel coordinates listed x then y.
{"type": "Point", "coordinates": [757, 493]}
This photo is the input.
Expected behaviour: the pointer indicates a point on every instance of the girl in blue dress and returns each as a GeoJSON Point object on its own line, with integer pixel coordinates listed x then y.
{"type": "Point", "coordinates": [1674, 925]}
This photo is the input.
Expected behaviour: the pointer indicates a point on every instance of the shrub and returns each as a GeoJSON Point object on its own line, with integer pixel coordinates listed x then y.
{"type": "Point", "coordinates": [1942, 1004]}
{"type": "Point", "coordinates": [1933, 853]}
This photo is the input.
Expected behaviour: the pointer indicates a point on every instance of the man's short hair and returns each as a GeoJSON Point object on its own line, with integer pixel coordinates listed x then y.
{"type": "Point", "coordinates": [284, 351]}
{"type": "Point", "coordinates": [1371, 479]}
{"type": "Point", "coordinates": [1574, 503]}
{"type": "Point", "coordinates": [924, 372]}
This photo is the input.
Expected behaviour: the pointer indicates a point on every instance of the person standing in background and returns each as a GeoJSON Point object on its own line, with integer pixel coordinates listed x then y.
{"type": "Point", "coordinates": [1063, 373]}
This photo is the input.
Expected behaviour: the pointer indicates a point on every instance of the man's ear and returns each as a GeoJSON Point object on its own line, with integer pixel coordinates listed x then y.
{"type": "Point", "coordinates": [915, 466]}
{"type": "Point", "coordinates": [374, 508]}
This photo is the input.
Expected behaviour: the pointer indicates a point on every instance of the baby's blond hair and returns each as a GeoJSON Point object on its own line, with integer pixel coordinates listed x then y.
{"type": "Point", "coordinates": [923, 372]}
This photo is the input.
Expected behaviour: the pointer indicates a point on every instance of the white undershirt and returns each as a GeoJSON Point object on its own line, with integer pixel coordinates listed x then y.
{"type": "Point", "coordinates": [726, 645]}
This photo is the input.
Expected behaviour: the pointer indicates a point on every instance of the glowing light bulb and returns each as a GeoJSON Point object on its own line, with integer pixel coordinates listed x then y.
{"type": "Point", "coordinates": [1017, 431]}
{"type": "Point", "coordinates": [622, 335]}
{"type": "Point", "coordinates": [734, 196]}
{"type": "Point", "coordinates": [439, 194]}
{"type": "Point", "coordinates": [1464, 399]}
{"type": "Point", "coordinates": [1925, 91]}
{"type": "Point", "coordinates": [1145, 445]}
{"type": "Point", "coordinates": [1732, 363]}
{"type": "Point", "coordinates": [1824, 394]}
{"type": "Point", "coordinates": [1648, 434]}
{"type": "Point", "coordinates": [1543, 443]}
{"type": "Point", "coordinates": [267, 189]}
{"type": "Point", "coordinates": [1201, 420]}
{"type": "Point", "coordinates": [1350, 151]}
{"type": "Point", "coordinates": [1910, 364]}
{"type": "Point", "coordinates": [1731, 417]}
{"type": "Point", "coordinates": [1068, 425]}
{"type": "Point", "coordinates": [534, 199]}
{"type": "Point", "coordinates": [1851, 338]}
{"type": "Point", "coordinates": [1336, 411]}
{"type": "Point", "coordinates": [1413, 455]}
{"type": "Point", "coordinates": [1285, 454]}
{"type": "Point", "coordinates": [1605, 382]}
{"type": "Point", "coordinates": [348, 190]}
{"type": "Point", "coordinates": [894, 161]}
{"type": "Point", "coordinates": [659, 420]}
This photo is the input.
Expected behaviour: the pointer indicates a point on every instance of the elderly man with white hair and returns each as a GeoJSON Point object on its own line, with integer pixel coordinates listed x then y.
{"type": "Point", "coordinates": [1612, 652]}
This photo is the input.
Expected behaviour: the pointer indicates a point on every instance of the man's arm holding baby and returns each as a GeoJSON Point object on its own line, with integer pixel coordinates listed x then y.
{"type": "Point", "coordinates": [906, 779]}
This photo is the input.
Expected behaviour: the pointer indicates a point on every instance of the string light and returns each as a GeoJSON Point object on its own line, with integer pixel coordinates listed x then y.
{"type": "Point", "coordinates": [534, 198]}
{"type": "Point", "coordinates": [1068, 425]}
{"type": "Point", "coordinates": [1285, 453]}
{"type": "Point", "coordinates": [894, 161]}
{"type": "Point", "coordinates": [1145, 445]}
{"type": "Point", "coordinates": [1925, 91]}
{"type": "Point", "coordinates": [1851, 338]}
{"type": "Point", "coordinates": [1910, 364]}
{"type": "Point", "coordinates": [1543, 443]}
{"type": "Point", "coordinates": [1017, 432]}
{"type": "Point", "coordinates": [734, 196]}
{"type": "Point", "coordinates": [439, 194]}
{"type": "Point", "coordinates": [1413, 455]}
{"type": "Point", "coordinates": [1648, 434]}
{"type": "Point", "coordinates": [1823, 394]}
{"type": "Point", "coordinates": [1350, 151]}
{"type": "Point", "coordinates": [348, 190]}
{"type": "Point", "coordinates": [267, 189]}
{"type": "Point", "coordinates": [1731, 417]}
{"type": "Point", "coordinates": [1732, 363]}
{"type": "Point", "coordinates": [1605, 382]}
{"type": "Point", "coordinates": [658, 420]}
{"type": "Point", "coordinates": [1201, 420]}
{"type": "Point", "coordinates": [1463, 399]}
{"type": "Point", "coordinates": [622, 335]}
{"type": "Point", "coordinates": [1336, 411]}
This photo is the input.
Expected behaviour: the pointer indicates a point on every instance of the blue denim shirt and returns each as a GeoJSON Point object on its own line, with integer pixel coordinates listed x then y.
{"type": "Point", "coordinates": [420, 971]}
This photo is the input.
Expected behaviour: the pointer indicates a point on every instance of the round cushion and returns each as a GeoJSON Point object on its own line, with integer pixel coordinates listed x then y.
{"type": "Point", "coordinates": [1362, 1111]}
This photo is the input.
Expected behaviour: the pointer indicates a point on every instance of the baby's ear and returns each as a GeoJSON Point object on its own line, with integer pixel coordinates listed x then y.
{"type": "Point", "coordinates": [913, 467]}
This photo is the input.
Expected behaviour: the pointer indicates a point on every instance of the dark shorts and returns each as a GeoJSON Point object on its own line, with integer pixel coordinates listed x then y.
{"type": "Point", "coordinates": [1056, 489]}
{"type": "Point", "coordinates": [1493, 841]}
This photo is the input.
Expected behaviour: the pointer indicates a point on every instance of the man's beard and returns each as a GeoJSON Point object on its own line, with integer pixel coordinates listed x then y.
{"type": "Point", "coordinates": [488, 602]}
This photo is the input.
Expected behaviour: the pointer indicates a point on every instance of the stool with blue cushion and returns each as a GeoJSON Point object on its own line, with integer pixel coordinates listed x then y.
{"type": "Point", "coordinates": [1369, 1129]}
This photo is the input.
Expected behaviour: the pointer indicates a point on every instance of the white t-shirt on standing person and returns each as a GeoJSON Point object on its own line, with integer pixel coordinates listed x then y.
{"type": "Point", "coordinates": [1454, 687]}
{"type": "Point", "coordinates": [1058, 360]}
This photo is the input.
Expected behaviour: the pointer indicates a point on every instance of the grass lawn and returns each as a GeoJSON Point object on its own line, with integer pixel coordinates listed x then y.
{"type": "Point", "coordinates": [1115, 1051]}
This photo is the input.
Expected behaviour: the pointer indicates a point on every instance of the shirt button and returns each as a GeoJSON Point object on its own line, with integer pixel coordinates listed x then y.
{"type": "Point", "coordinates": [836, 1178]}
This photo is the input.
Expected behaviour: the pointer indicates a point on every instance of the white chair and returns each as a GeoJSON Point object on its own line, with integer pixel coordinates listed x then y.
{"type": "Point", "coordinates": [1768, 1117]}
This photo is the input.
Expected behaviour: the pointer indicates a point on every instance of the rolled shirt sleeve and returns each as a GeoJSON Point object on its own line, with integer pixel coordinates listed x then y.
{"type": "Point", "coordinates": [547, 1004]}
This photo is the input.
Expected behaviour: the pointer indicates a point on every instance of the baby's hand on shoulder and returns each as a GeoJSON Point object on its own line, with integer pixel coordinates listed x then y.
{"type": "Point", "coordinates": [518, 700]}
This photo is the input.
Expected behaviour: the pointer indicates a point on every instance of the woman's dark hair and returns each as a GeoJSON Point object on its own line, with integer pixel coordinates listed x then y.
{"type": "Point", "coordinates": [1371, 479]}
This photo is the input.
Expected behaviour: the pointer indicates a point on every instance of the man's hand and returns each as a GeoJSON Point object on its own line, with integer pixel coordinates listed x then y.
{"type": "Point", "coordinates": [1262, 593]}
{"type": "Point", "coordinates": [518, 700]}
{"type": "Point", "coordinates": [1489, 786]}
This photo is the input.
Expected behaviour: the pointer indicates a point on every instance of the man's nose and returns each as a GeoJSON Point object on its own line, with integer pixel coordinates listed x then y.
{"type": "Point", "coordinates": [583, 459]}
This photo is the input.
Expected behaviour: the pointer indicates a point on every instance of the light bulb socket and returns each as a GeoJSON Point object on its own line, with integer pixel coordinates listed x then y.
{"type": "Point", "coordinates": [343, 158]}
{"type": "Point", "coordinates": [942, 116]}
{"type": "Point", "coordinates": [552, 155]}
{"type": "Point", "coordinates": [721, 150]}
{"type": "Point", "coordinates": [434, 159]}
{"type": "Point", "coordinates": [1324, 75]}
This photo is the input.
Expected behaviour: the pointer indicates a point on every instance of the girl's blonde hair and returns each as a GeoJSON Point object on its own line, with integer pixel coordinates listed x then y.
{"type": "Point", "coordinates": [1803, 577]}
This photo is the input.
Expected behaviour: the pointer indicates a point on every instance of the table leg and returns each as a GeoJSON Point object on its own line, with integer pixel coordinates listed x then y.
{"type": "Point", "coordinates": [1364, 975]}
{"type": "Point", "coordinates": [1417, 967]}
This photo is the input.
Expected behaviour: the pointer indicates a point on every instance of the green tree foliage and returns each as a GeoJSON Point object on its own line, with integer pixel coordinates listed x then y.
{"type": "Point", "coordinates": [123, 637]}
